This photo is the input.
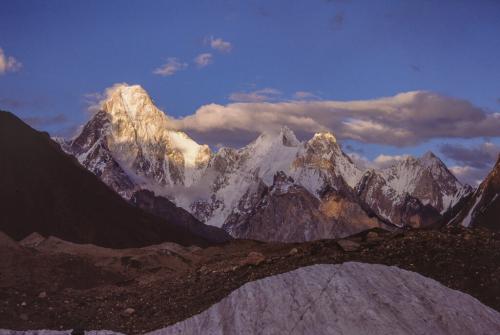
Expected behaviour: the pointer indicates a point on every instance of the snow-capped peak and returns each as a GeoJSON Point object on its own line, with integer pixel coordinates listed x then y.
{"type": "Point", "coordinates": [132, 103]}
{"type": "Point", "coordinates": [429, 159]}
{"type": "Point", "coordinates": [139, 138]}
{"type": "Point", "coordinates": [328, 136]}
{"type": "Point", "coordinates": [426, 178]}
{"type": "Point", "coordinates": [284, 137]}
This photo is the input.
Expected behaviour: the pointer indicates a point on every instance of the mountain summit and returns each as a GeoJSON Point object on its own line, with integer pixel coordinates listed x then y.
{"type": "Point", "coordinates": [129, 143]}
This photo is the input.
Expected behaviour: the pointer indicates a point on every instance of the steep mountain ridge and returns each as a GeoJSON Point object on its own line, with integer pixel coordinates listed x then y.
{"type": "Point", "coordinates": [482, 208]}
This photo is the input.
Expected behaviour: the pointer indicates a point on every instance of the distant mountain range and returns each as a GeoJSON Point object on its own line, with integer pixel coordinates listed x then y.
{"type": "Point", "coordinates": [275, 188]}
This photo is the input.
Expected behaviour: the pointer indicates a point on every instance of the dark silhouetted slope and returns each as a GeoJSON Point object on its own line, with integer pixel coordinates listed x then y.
{"type": "Point", "coordinates": [43, 189]}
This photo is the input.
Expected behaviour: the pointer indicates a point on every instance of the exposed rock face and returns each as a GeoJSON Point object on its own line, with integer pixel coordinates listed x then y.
{"type": "Point", "coordinates": [288, 212]}
{"type": "Point", "coordinates": [352, 298]}
{"type": "Point", "coordinates": [399, 209]}
{"type": "Point", "coordinates": [483, 207]}
{"type": "Point", "coordinates": [47, 191]}
{"type": "Point", "coordinates": [164, 208]}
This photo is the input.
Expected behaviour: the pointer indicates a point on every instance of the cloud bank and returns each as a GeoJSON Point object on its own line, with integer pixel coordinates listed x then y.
{"type": "Point", "coordinates": [473, 163]}
{"type": "Point", "coordinates": [402, 120]}
{"type": "Point", "coordinates": [382, 161]}
{"type": "Point", "coordinates": [265, 94]}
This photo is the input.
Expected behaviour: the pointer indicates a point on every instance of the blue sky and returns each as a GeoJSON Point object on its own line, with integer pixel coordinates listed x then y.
{"type": "Point", "coordinates": [336, 50]}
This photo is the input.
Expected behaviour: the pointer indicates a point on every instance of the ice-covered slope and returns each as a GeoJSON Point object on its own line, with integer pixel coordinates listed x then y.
{"type": "Point", "coordinates": [351, 298]}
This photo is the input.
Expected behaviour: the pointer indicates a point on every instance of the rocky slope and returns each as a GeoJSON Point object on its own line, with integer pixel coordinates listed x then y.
{"type": "Point", "coordinates": [45, 190]}
{"type": "Point", "coordinates": [288, 212]}
{"type": "Point", "coordinates": [131, 146]}
{"type": "Point", "coordinates": [165, 209]}
{"type": "Point", "coordinates": [351, 298]}
{"type": "Point", "coordinates": [482, 208]}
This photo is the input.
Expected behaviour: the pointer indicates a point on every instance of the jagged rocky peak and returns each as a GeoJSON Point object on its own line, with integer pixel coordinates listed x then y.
{"type": "Point", "coordinates": [131, 99]}
{"type": "Point", "coordinates": [285, 137]}
{"type": "Point", "coordinates": [323, 142]}
{"type": "Point", "coordinates": [131, 136]}
{"type": "Point", "coordinates": [426, 178]}
{"type": "Point", "coordinates": [325, 136]}
{"type": "Point", "coordinates": [429, 156]}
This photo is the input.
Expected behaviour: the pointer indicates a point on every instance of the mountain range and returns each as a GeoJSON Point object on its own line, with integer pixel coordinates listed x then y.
{"type": "Point", "coordinates": [275, 188]}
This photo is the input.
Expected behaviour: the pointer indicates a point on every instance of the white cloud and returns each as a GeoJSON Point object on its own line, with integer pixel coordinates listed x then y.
{"type": "Point", "coordinates": [265, 94]}
{"type": "Point", "coordinates": [479, 156]}
{"type": "Point", "coordinates": [469, 175]}
{"type": "Point", "coordinates": [219, 44]}
{"type": "Point", "coordinates": [170, 67]}
{"type": "Point", "coordinates": [303, 95]}
{"type": "Point", "coordinates": [382, 161]}
{"type": "Point", "coordinates": [401, 120]}
{"type": "Point", "coordinates": [473, 162]}
{"type": "Point", "coordinates": [8, 63]}
{"type": "Point", "coordinates": [203, 60]}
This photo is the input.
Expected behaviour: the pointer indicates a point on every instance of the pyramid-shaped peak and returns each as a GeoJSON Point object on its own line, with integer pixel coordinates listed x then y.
{"type": "Point", "coordinates": [429, 155]}
{"type": "Point", "coordinates": [129, 94]}
{"type": "Point", "coordinates": [429, 158]}
{"type": "Point", "coordinates": [131, 100]}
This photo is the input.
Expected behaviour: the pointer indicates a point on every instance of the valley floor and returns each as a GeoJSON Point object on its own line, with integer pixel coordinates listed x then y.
{"type": "Point", "coordinates": [60, 285]}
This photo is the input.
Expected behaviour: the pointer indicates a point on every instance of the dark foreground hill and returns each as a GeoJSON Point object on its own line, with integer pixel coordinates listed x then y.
{"type": "Point", "coordinates": [43, 189]}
